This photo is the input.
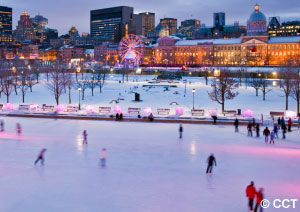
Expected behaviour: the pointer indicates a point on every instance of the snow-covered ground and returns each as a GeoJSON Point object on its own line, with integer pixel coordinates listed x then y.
{"type": "Point", "coordinates": [156, 97]}
{"type": "Point", "coordinates": [148, 168]}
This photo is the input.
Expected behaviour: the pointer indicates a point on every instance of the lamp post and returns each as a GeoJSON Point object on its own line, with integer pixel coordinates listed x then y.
{"type": "Point", "coordinates": [79, 89]}
{"type": "Point", "coordinates": [194, 91]}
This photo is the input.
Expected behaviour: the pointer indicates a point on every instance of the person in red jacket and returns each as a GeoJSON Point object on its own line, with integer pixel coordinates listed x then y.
{"type": "Point", "coordinates": [290, 125]}
{"type": "Point", "coordinates": [259, 198]}
{"type": "Point", "coordinates": [250, 193]}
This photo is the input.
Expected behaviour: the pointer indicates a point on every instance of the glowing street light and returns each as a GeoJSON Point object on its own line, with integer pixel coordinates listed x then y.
{"type": "Point", "coordinates": [194, 91]}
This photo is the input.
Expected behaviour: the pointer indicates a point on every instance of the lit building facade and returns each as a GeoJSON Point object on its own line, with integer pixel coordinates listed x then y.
{"type": "Point", "coordinates": [170, 24]}
{"type": "Point", "coordinates": [145, 23]}
{"type": "Point", "coordinates": [5, 24]}
{"type": "Point", "coordinates": [25, 30]}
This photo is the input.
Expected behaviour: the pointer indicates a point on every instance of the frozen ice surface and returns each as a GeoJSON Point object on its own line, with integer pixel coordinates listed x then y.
{"type": "Point", "coordinates": [148, 168]}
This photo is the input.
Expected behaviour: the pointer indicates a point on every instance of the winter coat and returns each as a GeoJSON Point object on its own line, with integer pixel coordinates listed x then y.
{"type": "Point", "coordinates": [266, 132]}
{"type": "Point", "coordinates": [250, 192]}
{"type": "Point", "coordinates": [272, 135]}
{"type": "Point", "coordinates": [259, 197]}
{"type": "Point", "coordinates": [289, 122]}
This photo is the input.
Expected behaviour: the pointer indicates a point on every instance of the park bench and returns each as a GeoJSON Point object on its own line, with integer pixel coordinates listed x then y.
{"type": "Point", "coordinates": [24, 107]}
{"type": "Point", "coordinates": [47, 108]}
{"type": "Point", "coordinates": [230, 112]}
{"type": "Point", "coordinates": [104, 109]}
{"type": "Point", "coordinates": [163, 111]}
{"type": "Point", "coordinates": [72, 109]}
{"type": "Point", "coordinates": [198, 112]}
{"type": "Point", "coordinates": [134, 110]}
{"type": "Point", "coordinates": [276, 114]}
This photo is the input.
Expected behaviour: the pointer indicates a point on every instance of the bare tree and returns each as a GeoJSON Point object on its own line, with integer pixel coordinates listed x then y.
{"type": "Point", "coordinates": [256, 83]}
{"type": "Point", "coordinates": [101, 76]}
{"type": "Point", "coordinates": [93, 83]}
{"type": "Point", "coordinates": [295, 91]}
{"type": "Point", "coordinates": [265, 87]}
{"type": "Point", "coordinates": [56, 84]}
{"type": "Point", "coordinates": [83, 84]}
{"type": "Point", "coordinates": [69, 83]}
{"type": "Point", "coordinates": [23, 83]}
{"type": "Point", "coordinates": [7, 84]}
{"type": "Point", "coordinates": [223, 87]}
{"type": "Point", "coordinates": [286, 81]}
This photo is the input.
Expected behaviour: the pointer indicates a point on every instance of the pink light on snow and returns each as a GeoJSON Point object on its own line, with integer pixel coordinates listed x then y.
{"type": "Point", "coordinates": [117, 109]}
{"type": "Point", "coordinates": [290, 114]}
{"type": "Point", "coordinates": [90, 109]}
{"type": "Point", "coordinates": [179, 111]}
{"type": "Point", "coordinates": [8, 106]}
{"type": "Point", "coordinates": [147, 111]}
{"type": "Point", "coordinates": [60, 108]}
{"type": "Point", "coordinates": [248, 113]}
{"type": "Point", "coordinates": [213, 112]}
{"type": "Point", "coordinates": [34, 107]}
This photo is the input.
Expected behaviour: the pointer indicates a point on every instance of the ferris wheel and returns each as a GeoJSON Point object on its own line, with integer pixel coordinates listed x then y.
{"type": "Point", "coordinates": [131, 50]}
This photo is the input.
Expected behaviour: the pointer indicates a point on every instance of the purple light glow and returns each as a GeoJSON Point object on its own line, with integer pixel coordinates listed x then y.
{"type": "Point", "coordinates": [89, 109]}
{"type": "Point", "coordinates": [213, 112]}
{"type": "Point", "coordinates": [60, 108]}
{"type": "Point", "coordinates": [291, 114]}
{"type": "Point", "coordinates": [179, 111]}
{"type": "Point", "coordinates": [117, 109]}
{"type": "Point", "coordinates": [8, 106]}
{"type": "Point", "coordinates": [248, 113]}
{"type": "Point", "coordinates": [147, 111]}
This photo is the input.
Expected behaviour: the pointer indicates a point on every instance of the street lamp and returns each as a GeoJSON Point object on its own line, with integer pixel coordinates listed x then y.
{"type": "Point", "coordinates": [79, 89]}
{"type": "Point", "coordinates": [194, 91]}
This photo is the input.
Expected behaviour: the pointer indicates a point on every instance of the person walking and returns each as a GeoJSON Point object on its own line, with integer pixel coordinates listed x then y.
{"type": "Point", "coordinates": [275, 130]}
{"type": "Point", "coordinates": [283, 131]}
{"type": "Point", "coordinates": [41, 157]}
{"type": "Point", "coordinates": [236, 124]}
{"type": "Point", "coordinates": [180, 131]}
{"type": "Point", "coordinates": [282, 122]}
{"type": "Point", "coordinates": [266, 134]}
{"type": "Point", "coordinates": [19, 129]}
{"type": "Point", "coordinates": [211, 161]}
{"type": "Point", "coordinates": [272, 137]}
{"type": "Point", "coordinates": [290, 125]}
{"type": "Point", "coordinates": [257, 128]}
{"type": "Point", "coordinates": [85, 137]}
{"type": "Point", "coordinates": [250, 193]}
{"type": "Point", "coordinates": [249, 127]}
{"type": "Point", "coordinates": [103, 157]}
{"type": "Point", "coordinates": [2, 126]}
{"type": "Point", "coordinates": [259, 198]}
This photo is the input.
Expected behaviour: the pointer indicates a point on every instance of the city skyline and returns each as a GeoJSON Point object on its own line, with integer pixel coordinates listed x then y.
{"type": "Point", "coordinates": [235, 11]}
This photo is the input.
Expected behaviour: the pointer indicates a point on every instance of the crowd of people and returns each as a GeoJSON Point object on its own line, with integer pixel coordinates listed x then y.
{"type": "Point", "coordinates": [269, 135]}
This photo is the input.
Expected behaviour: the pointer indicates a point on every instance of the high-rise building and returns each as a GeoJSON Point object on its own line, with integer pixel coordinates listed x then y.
{"type": "Point", "coordinates": [5, 24]}
{"type": "Point", "coordinates": [104, 22]}
{"type": "Point", "coordinates": [290, 28]}
{"type": "Point", "coordinates": [219, 19]}
{"type": "Point", "coordinates": [170, 23]}
{"type": "Point", "coordinates": [39, 24]}
{"type": "Point", "coordinates": [145, 23]}
{"type": "Point", "coordinates": [25, 29]}
{"type": "Point", "coordinates": [188, 27]}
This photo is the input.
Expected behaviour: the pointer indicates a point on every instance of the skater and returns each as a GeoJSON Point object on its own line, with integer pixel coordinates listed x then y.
{"type": "Point", "coordinates": [266, 134]}
{"type": "Point", "coordinates": [257, 130]}
{"type": "Point", "coordinates": [180, 131]}
{"type": "Point", "coordinates": [290, 125]}
{"type": "Point", "coordinates": [272, 137]}
{"type": "Point", "coordinates": [249, 127]}
{"type": "Point", "coordinates": [121, 116]}
{"type": "Point", "coordinates": [103, 157]}
{"type": "Point", "coordinates": [236, 124]}
{"type": "Point", "coordinates": [117, 116]}
{"type": "Point", "coordinates": [279, 122]}
{"type": "Point", "coordinates": [250, 193]}
{"type": "Point", "coordinates": [41, 157]}
{"type": "Point", "coordinates": [211, 160]}
{"type": "Point", "coordinates": [2, 126]}
{"type": "Point", "coordinates": [283, 131]}
{"type": "Point", "coordinates": [151, 117]}
{"type": "Point", "coordinates": [19, 129]}
{"type": "Point", "coordinates": [84, 137]}
{"type": "Point", "coordinates": [282, 122]}
{"type": "Point", "coordinates": [259, 198]}
{"type": "Point", "coordinates": [275, 130]}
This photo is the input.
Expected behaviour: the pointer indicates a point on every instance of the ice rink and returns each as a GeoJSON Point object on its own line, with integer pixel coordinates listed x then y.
{"type": "Point", "coordinates": [149, 169]}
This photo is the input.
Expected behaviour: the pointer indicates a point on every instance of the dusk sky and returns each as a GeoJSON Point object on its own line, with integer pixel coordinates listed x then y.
{"type": "Point", "coordinates": [62, 14]}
